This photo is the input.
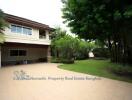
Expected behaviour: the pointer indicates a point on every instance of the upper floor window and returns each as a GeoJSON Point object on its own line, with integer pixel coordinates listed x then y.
{"type": "Point", "coordinates": [13, 28]}
{"type": "Point", "coordinates": [27, 31]}
{"type": "Point", "coordinates": [21, 29]}
{"type": "Point", "coordinates": [42, 34]}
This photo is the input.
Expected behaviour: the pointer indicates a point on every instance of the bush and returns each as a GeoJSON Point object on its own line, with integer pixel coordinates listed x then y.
{"type": "Point", "coordinates": [82, 57]}
{"type": "Point", "coordinates": [55, 60]}
{"type": "Point", "coordinates": [121, 70]}
{"type": "Point", "coordinates": [62, 60]}
{"type": "Point", "coordinates": [84, 49]}
{"type": "Point", "coordinates": [101, 52]}
{"type": "Point", "coordinates": [67, 61]}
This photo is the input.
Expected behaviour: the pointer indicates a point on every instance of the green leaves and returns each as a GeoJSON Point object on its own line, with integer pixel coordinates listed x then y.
{"type": "Point", "coordinates": [104, 20]}
{"type": "Point", "coordinates": [67, 47]}
{"type": "Point", "coordinates": [2, 38]}
{"type": "Point", "coordinates": [3, 24]}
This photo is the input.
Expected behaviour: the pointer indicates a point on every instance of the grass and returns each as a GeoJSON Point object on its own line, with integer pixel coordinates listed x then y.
{"type": "Point", "coordinates": [96, 67]}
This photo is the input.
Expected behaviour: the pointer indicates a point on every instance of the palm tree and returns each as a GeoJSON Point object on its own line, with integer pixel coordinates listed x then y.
{"type": "Point", "coordinates": [3, 24]}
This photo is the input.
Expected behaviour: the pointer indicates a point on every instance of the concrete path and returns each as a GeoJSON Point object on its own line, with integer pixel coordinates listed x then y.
{"type": "Point", "coordinates": [47, 82]}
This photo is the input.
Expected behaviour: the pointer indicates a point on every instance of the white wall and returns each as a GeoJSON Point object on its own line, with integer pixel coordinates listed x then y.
{"type": "Point", "coordinates": [23, 38]}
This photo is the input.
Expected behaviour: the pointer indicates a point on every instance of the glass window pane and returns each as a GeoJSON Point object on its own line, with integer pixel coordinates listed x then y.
{"type": "Point", "coordinates": [22, 52]}
{"type": "Point", "coordinates": [19, 29]}
{"type": "Point", "coordinates": [13, 52]}
{"type": "Point", "coordinates": [24, 30]}
{"type": "Point", "coordinates": [29, 31]}
{"type": "Point", "coordinates": [13, 28]}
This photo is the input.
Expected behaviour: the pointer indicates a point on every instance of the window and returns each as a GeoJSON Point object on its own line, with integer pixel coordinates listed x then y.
{"type": "Point", "coordinates": [42, 34]}
{"type": "Point", "coordinates": [27, 31]}
{"type": "Point", "coordinates": [18, 52]}
{"type": "Point", "coordinates": [22, 52]}
{"type": "Point", "coordinates": [13, 28]}
{"type": "Point", "coordinates": [13, 52]}
{"type": "Point", "coordinates": [20, 29]}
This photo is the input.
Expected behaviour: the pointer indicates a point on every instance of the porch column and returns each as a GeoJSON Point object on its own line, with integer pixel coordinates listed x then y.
{"type": "Point", "coordinates": [48, 54]}
{"type": "Point", "coordinates": [0, 56]}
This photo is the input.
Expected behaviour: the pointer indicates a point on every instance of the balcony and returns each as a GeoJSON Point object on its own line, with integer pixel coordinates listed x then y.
{"type": "Point", "coordinates": [42, 37]}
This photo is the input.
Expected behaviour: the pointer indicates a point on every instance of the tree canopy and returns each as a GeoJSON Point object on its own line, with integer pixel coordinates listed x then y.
{"type": "Point", "coordinates": [108, 21]}
{"type": "Point", "coordinates": [3, 24]}
{"type": "Point", "coordinates": [66, 47]}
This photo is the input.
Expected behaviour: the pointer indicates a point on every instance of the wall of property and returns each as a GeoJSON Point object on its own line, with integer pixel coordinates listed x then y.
{"type": "Point", "coordinates": [0, 56]}
{"type": "Point", "coordinates": [23, 38]}
{"type": "Point", "coordinates": [32, 54]}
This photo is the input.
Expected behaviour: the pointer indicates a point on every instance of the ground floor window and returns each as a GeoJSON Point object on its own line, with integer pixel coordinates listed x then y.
{"type": "Point", "coordinates": [18, 52]}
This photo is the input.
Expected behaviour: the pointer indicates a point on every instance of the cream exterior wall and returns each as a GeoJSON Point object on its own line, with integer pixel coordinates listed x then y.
{"type": "Point", "coordinates": [23, 38]}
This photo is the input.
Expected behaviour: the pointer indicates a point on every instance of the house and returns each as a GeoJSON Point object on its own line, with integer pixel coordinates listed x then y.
{"type": "Point", "coordinates": [26, 41]}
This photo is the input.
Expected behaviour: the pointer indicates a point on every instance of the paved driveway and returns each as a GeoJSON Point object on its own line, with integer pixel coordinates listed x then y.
{"type": "Point", "coordinates": [47, 82]}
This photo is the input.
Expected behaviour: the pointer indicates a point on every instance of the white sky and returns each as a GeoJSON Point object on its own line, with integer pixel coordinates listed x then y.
{"type": "Point", "coordinates": [43, 11]}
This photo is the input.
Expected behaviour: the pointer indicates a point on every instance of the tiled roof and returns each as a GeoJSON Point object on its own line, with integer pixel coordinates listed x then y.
{"type": "Point", "coordinates": [26, 22]}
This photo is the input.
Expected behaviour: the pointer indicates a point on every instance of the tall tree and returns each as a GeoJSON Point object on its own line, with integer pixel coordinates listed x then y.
{"type": "Point", "coordinates": [3, 24]}
{"type": "Point", "coordinates": [106, 20]}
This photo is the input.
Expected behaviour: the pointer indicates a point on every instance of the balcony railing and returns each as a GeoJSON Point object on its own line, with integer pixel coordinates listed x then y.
{"type": "Point", "coordinates": [42, 37]}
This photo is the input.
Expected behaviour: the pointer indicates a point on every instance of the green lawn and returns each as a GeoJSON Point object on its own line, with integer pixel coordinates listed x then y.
{"type": "Point", "coordinates": [95, 67]}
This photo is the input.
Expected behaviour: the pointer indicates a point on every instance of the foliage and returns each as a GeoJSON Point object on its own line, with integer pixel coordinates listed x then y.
{"type": "Point", "coordinates": [121, 70]}
{"type": "Point", "coordinates": [3, 24]}
{"type": "Point", "coordinates": [101, 52]}
{"type": "Point", "coordinates": [108, 21]}
{"type": "Point", "coordinates": [84, 49]}
{"type": "Point", "coordinates": [58, 34]}
{"type": "Point", "coordinates": [66, 48]}
{"type": "Point", "coordinates": [82, 52]}
{"type": "Point", "coordinates": [2, 38]}
{"type": "Point", "coordinates": [98, 68]}
{"type": "Point", "coordinates": [61, 60]}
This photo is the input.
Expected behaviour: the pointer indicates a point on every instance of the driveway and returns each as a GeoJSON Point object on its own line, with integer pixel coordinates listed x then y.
{"type": "Point", "coordinates": [44, 81]}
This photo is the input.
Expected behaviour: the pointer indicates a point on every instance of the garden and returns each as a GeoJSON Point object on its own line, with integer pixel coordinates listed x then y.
{"type": "Point", "coordinates": [73, 52]}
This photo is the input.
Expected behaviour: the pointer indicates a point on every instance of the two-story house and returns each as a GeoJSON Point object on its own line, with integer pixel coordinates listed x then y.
{"type": "Point", "coordinates": [26, 41]}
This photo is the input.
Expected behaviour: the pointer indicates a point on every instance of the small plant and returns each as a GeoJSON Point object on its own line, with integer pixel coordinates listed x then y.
{"type": "Point", "coordinates": [121, 70]}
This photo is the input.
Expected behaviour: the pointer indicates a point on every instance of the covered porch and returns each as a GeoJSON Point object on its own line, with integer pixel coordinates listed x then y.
{"type": "Point", "coordinates": [20, 53]}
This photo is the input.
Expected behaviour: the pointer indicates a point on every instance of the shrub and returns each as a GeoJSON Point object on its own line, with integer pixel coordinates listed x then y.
{"type": "Point", "coordinates": [67, 47]}
{"type": "Point", "coordinates": [82, 52]}
{"type": "Point", "coordinates": [101, 52]}
{"type": "Point", "coordinates": [55, 60]}
{"type": "Point", "coordinates": [121, 70]}
{"type": "Point", "coordinates": [67, 61]}
{"type": "Point", "coordinates": [62, 60]}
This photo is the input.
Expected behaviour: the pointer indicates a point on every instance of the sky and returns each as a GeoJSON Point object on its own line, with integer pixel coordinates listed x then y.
{"type": "Point", "coordinates": [43, 11]}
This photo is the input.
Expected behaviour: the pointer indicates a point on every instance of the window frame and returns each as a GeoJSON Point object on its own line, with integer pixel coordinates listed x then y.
{"type": "Point", "coordinates": [28, 30]}
{"type": "Point", "coordinates": [13, 30]}
{"type": "Point", "coordinates": [18, 52]}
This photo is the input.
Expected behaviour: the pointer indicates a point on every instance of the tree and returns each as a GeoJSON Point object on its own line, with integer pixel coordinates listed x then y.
{"type": "Point", "coordinates": [56, 35]}
{"type": "Point", "coordinates": [67, 47]}
{"type": "Point", "coordinates": [84, 48]}
{"type": "Point", "coordinates": [108, 21]}
{"type": "Point", "coordinates": [3, 24]}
